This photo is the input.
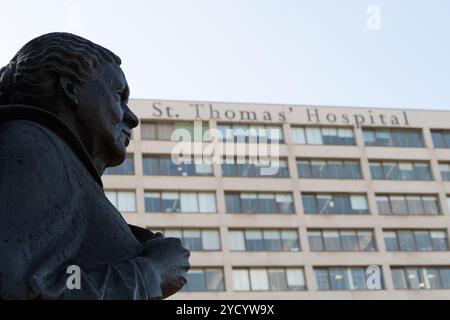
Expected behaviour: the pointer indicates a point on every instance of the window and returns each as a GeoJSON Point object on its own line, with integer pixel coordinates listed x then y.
{"type": "Point", "coordinates": [277, 279]}
{"type": "Point", "coordinates": [391, 137]}
{"type": "Point", "coordinates": [264, 240]}
{"type": "Point", "coordinates": [331, 241]}
{"type": "Point", "coordinates": [126, 168]}
{"type": "Point", "coordinates": [411, 278]}
{"type": "Point", "coordinates": [407, 205]}
{"type": "Point", "coordinates": [341, 278]}
{"type": "Point", "coordinates": [329, 169]}
{"type": "Point", "coordinates": [406, 241]}
{"type": "Point", "coordinates": [390, 239]}
{"type": "Point", "coordinates": [165, 166]}
{"type": "Point", "coordinates": [241, 280]}
{"type": "Point", "coordinates": [254, 240]}
{"type": "Point", "coordinates": [259, 279]}
{"type": "Point", "coordinates": [441, 138]}
{"type": "Point", "coordinates": [124, 201]}
{"type": "Point", "coordinates": [196, 239]}
{"type": "Point", "coordinates": [237, 167]}
{"type": "Point", "coordinates": [444, 168]}
{"type": "Point", "coordinates": [341, 240]}
{"type": "Point", "coordinates": [204, 279]}
{"type": "Point", "coordinates": [416, 240]}
{"type": "Point", "coordinates": [250, 133]}
{"type": "Point", "coordinates": [181, 131]}
{"type": "Point", "coordinates": [249, 202]}
{"type": "Point", "coordinates": [269, 279]}
{"type": "Point", "coordinates": [400, 170]}
{"type": "Point", "coordinates": [189, 202]}
{"type": "Point", "coordinates": [315, 241]}
{"type": "Point", "coordinates": [323, 136]}
{"type": "Point", "coordinates": [335, 204]}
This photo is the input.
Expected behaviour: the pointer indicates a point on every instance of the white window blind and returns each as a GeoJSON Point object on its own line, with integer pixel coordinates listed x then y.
{"type": "Point", "coordinates": [295, 277]}
{"type": "Point", "coordinates": [126, 201]}
{"type": "Point", "coordinates": [236, 240]}
{"type": "Point", "coordinates": [358, 202]}
{"type": "Point", "coordinates": [240, 280]}
{"type": "Point", "coordinates": [210, 240]}
{"type": "Point", "coordinates": [207, 202]}
{"type": "Point", "coordinates": [188, 202]}
{"type": "Point", "coordinates": [259, 279]}
{"type": "Point", "coordinates": [314, 136]}
{"type": "Point", "coordinates": [298, 135]}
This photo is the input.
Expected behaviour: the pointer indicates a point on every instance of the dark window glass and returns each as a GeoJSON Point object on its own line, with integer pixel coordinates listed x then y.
{"type": "Point", "coordinates": [277, 279]}
{"type": "Point", "coordinates": [445, 277]}
{"type": "Point", "coordinates": [150, 165]}
{"type": "Point", "coordinates": [315, 241]}
{"type": "Point", "coordinates": [249, 203]}
{"type": "Point", "coordinates": [309, 204]}
{"type": "Point", "coordinates": [439, 241]}
{"type": "Point", "coordinates": [390, 238]}
{"type": "Point", "coordinates": [192, 240]}
{"type": "Point", "coordinates": [153, 203]}
{"type": "Point", "coordinates": [376, 170]}
{"type": "Point", "coordinates": [393, 137]}
{"type": "Point", "coordinates": [267, 204]}
{"type": "Point", "coordinates": [406, 241]}
{"type": "Point", "coordinates": [272, 240]}
{"type": "Point", "coordinates": [434, 278]}
{"type": "Point", "coordinates": [304, 169]}
{"type": "Point", "coordinates": [331, 241]}
{"type": "Point", "coordinates": [339, 280]}
{"type": "Point", "coordinates": [446, 135]}
{"type": "Point", "coordinates": [438, 139]}
{"type": "Point", "coordinates": [366, 241]}
{"type": "Point", "coordinates": [423, 240]}
{"type": "Point", "coordinates": [322, 279]}
{"type": "Point", "coordinates": [399, 279]}
{"type": "Point", "coordinates": [349, 241]}
{"type": "Point", "coordinates": [358, 278]}
{"type": "Point", "coordinates": [233, 201]}
{"type": "Point", "coordinates": [254, 241]}
{"type": "Point", "coordinates": [195, 280]}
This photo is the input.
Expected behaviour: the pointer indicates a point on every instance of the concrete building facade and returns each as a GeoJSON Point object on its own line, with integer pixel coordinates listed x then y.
{"type": "Point", "coordinates": [358, 207]}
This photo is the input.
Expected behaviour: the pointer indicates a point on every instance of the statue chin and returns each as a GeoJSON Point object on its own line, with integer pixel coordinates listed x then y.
{"type": "Point", "coordinates": [117, 160]}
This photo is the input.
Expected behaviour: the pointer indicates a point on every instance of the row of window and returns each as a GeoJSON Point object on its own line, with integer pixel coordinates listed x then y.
{"type": "Point", "coordinates": [327, 279]}
{"type": "Point", "coordinates": [276, 203]}
{"type": "Point", "coordinates": [263, 133]}
{"type": "Point", "coordinates": [319, 240]}
{"type": "Point", "coordinates": [307, 169]}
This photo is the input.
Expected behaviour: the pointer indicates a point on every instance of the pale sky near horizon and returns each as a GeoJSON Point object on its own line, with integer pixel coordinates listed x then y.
{"type": "Point", "coordinates": [317, 52]}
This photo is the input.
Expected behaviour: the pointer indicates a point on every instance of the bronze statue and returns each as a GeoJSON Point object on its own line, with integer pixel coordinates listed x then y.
{"type": "Point", "coordinates": [64, 118]}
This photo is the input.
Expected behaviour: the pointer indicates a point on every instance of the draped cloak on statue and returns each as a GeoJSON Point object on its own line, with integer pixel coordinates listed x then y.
{"type": "Point", "coordinates": [54, 214]}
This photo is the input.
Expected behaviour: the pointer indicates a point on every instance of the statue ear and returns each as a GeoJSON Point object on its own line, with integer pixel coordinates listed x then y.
{"type": "Point", "coordinates": [69, 89]}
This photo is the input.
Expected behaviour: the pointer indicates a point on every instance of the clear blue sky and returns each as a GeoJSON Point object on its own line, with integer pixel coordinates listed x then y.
{"type": "Point", "coordinates": [317, 52]}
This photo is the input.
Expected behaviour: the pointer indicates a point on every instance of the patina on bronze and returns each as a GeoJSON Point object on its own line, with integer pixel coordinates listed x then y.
{"type": "Point", "coordinates": [64, 118]}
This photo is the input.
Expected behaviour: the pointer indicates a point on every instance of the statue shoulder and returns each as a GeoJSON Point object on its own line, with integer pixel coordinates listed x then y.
{"type": "Point", "coordinates": [26, 136]}
{"type": "Point", "coordinates": [28, 149]}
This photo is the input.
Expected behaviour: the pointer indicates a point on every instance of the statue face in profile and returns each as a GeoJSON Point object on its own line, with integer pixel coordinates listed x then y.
{"type": "Point", "coordinates": [103, 108]}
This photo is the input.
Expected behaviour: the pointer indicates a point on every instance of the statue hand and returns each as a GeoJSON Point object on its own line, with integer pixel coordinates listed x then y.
{"type": "Point", "coordinates": [171, 262]}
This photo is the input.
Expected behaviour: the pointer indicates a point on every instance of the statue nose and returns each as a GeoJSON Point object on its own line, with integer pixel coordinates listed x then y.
{"type": "Point", "coordinates": [130, 118]}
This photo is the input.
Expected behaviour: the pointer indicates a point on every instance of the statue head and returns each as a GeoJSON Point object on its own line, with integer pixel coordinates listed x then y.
{"type": "Point", "coordinates": [80, 82]}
